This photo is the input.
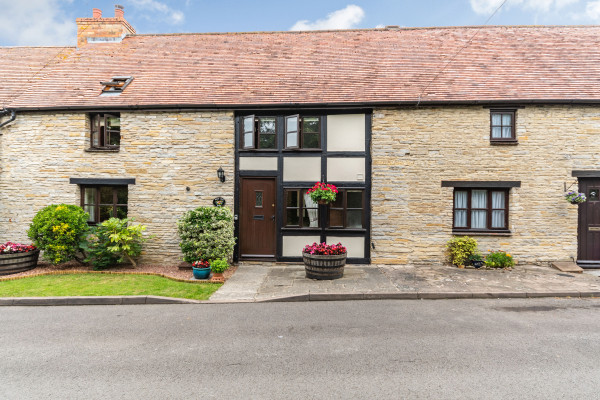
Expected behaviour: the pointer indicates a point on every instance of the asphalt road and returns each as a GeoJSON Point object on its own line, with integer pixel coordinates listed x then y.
{"type": "Point", "coordinates": [450, 349]}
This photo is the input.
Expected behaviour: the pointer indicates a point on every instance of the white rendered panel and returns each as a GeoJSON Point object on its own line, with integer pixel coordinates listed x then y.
{"type": "Point", "coordinates": [346, 132]}
{"type": "Point", "coordinates": [293, 245]}
{"type": "Point", "coordinates": [258, 163]}
{"type": "Point", "coordinates": [354, 245]}
{"type": "Point", "coordinates": [350, 169]}
{"type": "Point", "coordinates": [302, 169]}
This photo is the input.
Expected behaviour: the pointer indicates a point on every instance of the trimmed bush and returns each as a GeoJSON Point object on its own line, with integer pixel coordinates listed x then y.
{"type": "Point", "coordinates": [219, 266]}
{"type": "Point", "coordinates": [206, 234]}
{"type": "Point", "coordinates": [460, 248]}
{"type": "Point", "coordinates": [59, 230]}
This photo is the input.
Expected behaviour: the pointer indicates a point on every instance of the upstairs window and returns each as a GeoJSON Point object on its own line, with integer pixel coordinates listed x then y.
{"type": "Point", "coordinates": [105, 131]}
{"type": "Point", "coordinates": [262, 132]}
{"type": "Point", "coordinates": [259, 132]}
{"type": "Point", "coordinates": [302, 132]}
{"type": "Point", "coordinates": [104, 202]}
{"type": "Point", "coordinates": [502, 125]}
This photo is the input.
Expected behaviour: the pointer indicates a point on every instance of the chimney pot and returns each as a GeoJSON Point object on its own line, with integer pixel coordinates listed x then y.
{"type": "Point", "coordinates": [119, 13]}
{"type": "Point", "coordinates": [96, 13]}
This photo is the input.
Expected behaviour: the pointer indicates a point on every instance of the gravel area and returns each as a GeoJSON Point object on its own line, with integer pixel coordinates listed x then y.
{"type": "Point", "coordinates": [171, 271]}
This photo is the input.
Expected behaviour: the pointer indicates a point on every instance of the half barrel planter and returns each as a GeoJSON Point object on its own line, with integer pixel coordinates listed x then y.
{"type": "Point", "coordinates": [18, 262]}
{"type": "Point", "coordinates": [324, 267]}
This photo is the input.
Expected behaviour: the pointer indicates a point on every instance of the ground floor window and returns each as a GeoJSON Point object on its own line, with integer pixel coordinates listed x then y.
{"type": "Point", "coordinates": [347, 210]}
{"type": "Point", "coordinates": [480, 209]}
{"type": "Point", "coordinates": [104, 202]}
{"type": "Point", "coordinates": [300, 210]}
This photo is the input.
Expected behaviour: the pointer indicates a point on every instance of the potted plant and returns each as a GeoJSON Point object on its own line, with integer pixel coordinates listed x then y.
{"type": "Point", "coordinates": [323, 261]}
{"type": "Point", "coordinates": [323, 193]}
{"type": "Point", "coordinates": [476, 260]}
{"type": "Point", "coordinates": [575, 197]}
{"type": "Point", "coordinates": [218, 266]}
{"type": "Point", "coordinates": [16, 257]}
{"type": "Point", "coordinates": [460, 249]}
{"type": "Point", "coordinates": [499, 259]}
{"type": "Point", "coordinates": [201, 269]}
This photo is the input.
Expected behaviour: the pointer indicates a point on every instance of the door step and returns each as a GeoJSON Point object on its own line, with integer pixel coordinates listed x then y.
{"type": "Point", "coordinates": [567, 266]}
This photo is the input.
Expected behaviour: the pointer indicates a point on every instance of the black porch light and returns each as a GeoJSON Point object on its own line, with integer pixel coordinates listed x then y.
{"type": "Point", "coordinates": [221, 174]}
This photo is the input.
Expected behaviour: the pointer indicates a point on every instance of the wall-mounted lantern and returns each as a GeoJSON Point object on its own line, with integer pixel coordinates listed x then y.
{"type": "Point", "coordinates": [221, 174]}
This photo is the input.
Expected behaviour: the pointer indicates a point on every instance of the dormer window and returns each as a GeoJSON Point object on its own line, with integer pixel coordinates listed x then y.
{"type": "Point", "coordinates": [105, 131]}
{"type": "Point", "coordinates": [116, 85]}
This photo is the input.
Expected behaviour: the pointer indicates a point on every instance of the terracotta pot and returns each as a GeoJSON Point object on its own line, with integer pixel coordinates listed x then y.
{"type": "Point", "coordinates": [217, 277]}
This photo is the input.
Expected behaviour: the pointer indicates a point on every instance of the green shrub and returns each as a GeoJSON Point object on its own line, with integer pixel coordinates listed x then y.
{"type": "Point", "coordinates": [460, 248]}
{"type": "Point", "coordinates": [499, 259]}
{"type": "Point", "coordinates": [219, 265]}
{"type": "Point", "coordinates": [113, 241]}
{"type": "Point", "coordinates": [59, 230]}
{"type": "Point", "coordinates": [206, 234]}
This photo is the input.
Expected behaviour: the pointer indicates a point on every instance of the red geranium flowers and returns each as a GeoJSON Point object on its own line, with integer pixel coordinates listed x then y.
{"type": "Point", "coordinates": [324, 249]}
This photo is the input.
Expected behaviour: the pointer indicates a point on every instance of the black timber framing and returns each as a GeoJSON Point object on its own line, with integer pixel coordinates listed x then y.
{"type": "Point", "coordinates": [280, 153]}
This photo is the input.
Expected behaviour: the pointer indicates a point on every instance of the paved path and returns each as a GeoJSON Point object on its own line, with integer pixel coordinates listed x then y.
{"type": "Point", "coordinates": [273, 282]}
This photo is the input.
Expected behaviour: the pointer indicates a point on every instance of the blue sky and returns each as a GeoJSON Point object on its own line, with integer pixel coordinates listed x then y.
{"type": "Point", "coordinates": [52, 22]}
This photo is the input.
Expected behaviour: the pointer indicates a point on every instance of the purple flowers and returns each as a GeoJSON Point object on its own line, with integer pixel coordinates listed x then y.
{"type": "Point", "coordinates": [575, 197]}
{"type": "Point", "coordinates": [324, 249]}
{"type": "Point", "coordinates": [11, 248]}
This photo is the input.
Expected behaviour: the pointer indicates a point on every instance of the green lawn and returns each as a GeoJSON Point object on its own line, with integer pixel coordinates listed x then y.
{"type": "Point", "coordinates": [105, 285]}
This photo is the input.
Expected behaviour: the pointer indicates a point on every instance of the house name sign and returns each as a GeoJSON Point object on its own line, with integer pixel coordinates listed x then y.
{"type": "Point", "coordinates": [218, 202]}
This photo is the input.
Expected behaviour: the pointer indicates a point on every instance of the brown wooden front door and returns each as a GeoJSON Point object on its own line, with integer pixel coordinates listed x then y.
{"type": "Point", "coordinates": [588, 251]}
{"type": "Point", "coordinates": [257, 217]}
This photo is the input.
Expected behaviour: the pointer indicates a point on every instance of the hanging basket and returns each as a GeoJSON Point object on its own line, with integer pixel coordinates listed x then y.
{"type": "Point", "coordinates": [18, 262]}
{"type": "Point", "coordinates": [323, 202]}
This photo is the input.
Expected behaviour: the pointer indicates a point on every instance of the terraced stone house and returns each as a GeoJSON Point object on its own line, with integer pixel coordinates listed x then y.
{"type": "Point", "coordinates": [428, 133]}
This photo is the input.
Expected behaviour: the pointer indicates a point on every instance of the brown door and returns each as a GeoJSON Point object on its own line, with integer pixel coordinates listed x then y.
{"type": "Point", "coordinates": [257, 217]}
{"type": "Point", "coordinates": [589, 222]}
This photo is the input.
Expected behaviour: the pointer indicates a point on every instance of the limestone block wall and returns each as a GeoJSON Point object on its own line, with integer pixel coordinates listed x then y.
{"type": "Point", "coordinates": [164, 151]}
{"type": "Point", "coordinates": [414, 150]}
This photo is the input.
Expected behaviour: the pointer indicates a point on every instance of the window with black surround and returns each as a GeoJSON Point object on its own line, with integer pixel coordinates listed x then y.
{"type": "Point", "coordinates": [105, 131]}
{"type": "Point", "coordinates": [347, 211]}
{"type": "Point", "coordinates": [502, 126]}
{"type": "Point", "coordinates": [104, 202]}
{"type": "Point", "coordinates": [480, 209]}
{"type": "Point", "coordinates": [259, 132]}
{"type": "Point", "coordinates": [300, 210]}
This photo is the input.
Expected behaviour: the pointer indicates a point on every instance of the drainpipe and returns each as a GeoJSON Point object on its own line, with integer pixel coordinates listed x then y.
{"type": "Point", "coordinates": [6, 111]}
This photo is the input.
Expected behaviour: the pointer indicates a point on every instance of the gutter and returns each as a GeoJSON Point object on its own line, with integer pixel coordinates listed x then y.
{"type": "Point", "coordinates": [6, 111]}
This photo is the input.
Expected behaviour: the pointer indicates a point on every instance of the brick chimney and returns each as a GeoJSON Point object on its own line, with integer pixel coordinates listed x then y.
{"type": "Point", "coordinates": [102, 30]}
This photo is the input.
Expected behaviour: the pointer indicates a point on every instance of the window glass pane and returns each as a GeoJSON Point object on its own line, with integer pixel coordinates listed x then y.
{"type": "Point", "coordinates": [354, 199]}
{"type": "Point", "coordinates": [95, 138]}
{"type": "Point", "coordinates": [310, 124]}
{"type": "Point", "coordinates": [479, 199]}
{"type": "Point", "coordinates": [92, 211]}
{"type": "Point", "coordinates": [478, 219]}
{"type": "Point", "coordinates": [89, 196]}
{"type": "Point", "coordinates": [266, 141]}
{"type": "Point", "coordinates": [339, 200]}
{"type": "Point", "coordinates": [249, 139]}
{"type": "Point", "coordinates": [105, 213]}
{"type": "Point", "coordinates": [336, 218]}
{"type": "Point", "coordinates": [311, 217]}
{"type": "Point", "coordinates": [308, 202]}
{"type": "Point", "coordinates": [248, 131]}
{"type": "Point", "coordinates": [311, 141]}
{"type": "Point", "coordinates": [460, 218]}
{"type": "Point", "coordinates": [460, 199]}
{"type": "Point", "coordinates": [498, 200]}
{"type": "Point", "coordinates": [498, 219]}
{"type": "Point", "coordinates": [266, 125]}
{"type": "Point", "coordinates": [292, 217]}
{"type": "Point", "coordinates": [292, 198]}
{"type": "Point", "coordinates": [248, 124]}
{"type": "Point", "coordinates": [354, 219]}
{"type": "Point", "coordinates": [506, 119]}
{"type": "Point", "coordinates": [496, 132]}
{"type": "Point", "coordinates": [291, 124]}
{"type": "Point", "coordinates": [292, 139]}
{"type": "Point", "coordinates": [114, 138]}
{"type": "Point", "coordinates": [291, 131]}
{"type": "Point", "coordinates": [121, 195]}
{"type": "Point", "coordinates": [506, 132]}
{"type": "Point", "coordinates": [259, 198]}
{"type": "Point", "coordinates": [122, 212]}
{"type": "Point", "coordinates": [593, 195]}
{"type": "Point", "coordinates": [113, 123]}
{"type": "Point", "coordinates": [106, 195]}
{"type": "Point", "coordinates": [496, 119]}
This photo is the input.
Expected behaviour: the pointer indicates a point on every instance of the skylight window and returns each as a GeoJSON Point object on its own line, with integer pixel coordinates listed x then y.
{"type": "Point", "coordinates": [116, 85]}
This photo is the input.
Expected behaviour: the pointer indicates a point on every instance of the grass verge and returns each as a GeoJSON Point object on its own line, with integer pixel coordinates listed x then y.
{"type": "Point", "coordinates": [91, 284]}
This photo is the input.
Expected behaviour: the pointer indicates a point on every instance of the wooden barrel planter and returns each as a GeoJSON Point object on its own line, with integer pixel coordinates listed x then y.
{"type": "Point", "coordinates": [324, 267]}
{"type": "Point", "coordinates": [18, 262]}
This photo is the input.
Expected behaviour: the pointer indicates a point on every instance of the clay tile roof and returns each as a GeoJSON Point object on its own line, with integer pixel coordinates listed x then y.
{"type": "Point", "coordinates": [331, 67]}
{"type": "Point", "coordinates": [20, 67]}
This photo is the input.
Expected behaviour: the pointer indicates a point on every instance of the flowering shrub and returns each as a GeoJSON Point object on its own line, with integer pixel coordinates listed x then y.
{"type": "Point", "coordinates": [324, 249]}
{"type": "Point", "coordinates": [12, 248]}
{"type": "Point", "coordinates": [323, 192]}
{"type": "Point", "coordinates": [460, 249]}
{"type": "Point", "coordinates": [575, 197]}
{"type": "Point", "coordinates": [201, 264]}
{"type": "Point", "coordinates": [499, 259]}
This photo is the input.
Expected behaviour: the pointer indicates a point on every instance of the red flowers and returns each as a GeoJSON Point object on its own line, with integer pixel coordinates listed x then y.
{"type": "Point", "coordinates": [201, 264]}
{"type": "Point", "coordinates": [10, 248]}
{"type": "Point", "coordinates": [324, 249]}
{"type": "Point", "coordinates": [323, 192]}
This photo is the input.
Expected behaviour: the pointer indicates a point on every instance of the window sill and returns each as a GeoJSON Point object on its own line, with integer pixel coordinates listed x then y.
{"type": "Point", "coordinates": [258, 150]}
{"type": "Point", "coordinates": [482, 233]}
{"type": "Point", "coordinates": [295, 228]}
{"type": "Point", "coordinates": [302, 150]}
{"type": "Point", "coordinates": [504, 142]}
{"type": "Point", "coordinates": [99, 150]}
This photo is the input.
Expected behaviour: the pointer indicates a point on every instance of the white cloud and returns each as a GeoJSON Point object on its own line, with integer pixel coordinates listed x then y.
{"type": "Point", "coordinates": [345, 18]}
{"type": "Point", "coordinates": [173, 16]}
{"type": "Point", "coordinates": [592, 10]}
{"type": "Point", "coordinates": [487, 7]}
{"type": "Point", "coordinates": [36, 22]}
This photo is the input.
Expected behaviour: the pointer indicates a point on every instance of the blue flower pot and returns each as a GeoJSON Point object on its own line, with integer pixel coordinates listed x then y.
{"type": "Point", "coordinates": [201, 273]}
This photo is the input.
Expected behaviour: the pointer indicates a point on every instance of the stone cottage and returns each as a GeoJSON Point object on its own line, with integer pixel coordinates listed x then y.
{"type": "Point", "coordinates": [428, 133]}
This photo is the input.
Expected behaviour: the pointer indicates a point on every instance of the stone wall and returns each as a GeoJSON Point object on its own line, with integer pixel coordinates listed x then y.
{"type": "Point", "coordinates": [165, 152]}
{"type": "Point", "coordinates": [415, 149]}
